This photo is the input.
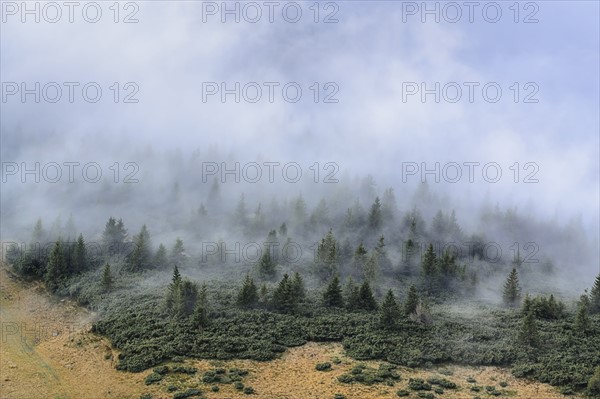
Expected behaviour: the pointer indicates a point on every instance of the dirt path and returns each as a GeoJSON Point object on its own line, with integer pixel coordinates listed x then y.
{"type": "Point", "coordinates": [47, 351]}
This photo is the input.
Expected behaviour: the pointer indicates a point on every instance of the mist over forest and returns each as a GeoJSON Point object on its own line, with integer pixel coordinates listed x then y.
{"type": "Point", "coordinates": [372, 210]}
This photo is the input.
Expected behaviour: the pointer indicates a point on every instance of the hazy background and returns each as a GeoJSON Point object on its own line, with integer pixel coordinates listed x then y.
{"type": "Point", "coordinates": [369, 53]}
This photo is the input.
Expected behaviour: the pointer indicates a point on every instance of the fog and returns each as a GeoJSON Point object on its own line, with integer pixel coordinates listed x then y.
{"type": "Point", "coordinates": [535, 164]}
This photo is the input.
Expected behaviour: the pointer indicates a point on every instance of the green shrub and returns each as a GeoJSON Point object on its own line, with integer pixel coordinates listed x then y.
{"type": "Point", "coordinates": [444, 383]}
{"type": "Point", "coordinates": [425, 395]}
{"type": "Point", "coordinates": [146, 396]}
{"type": "Point", "coordinates": [471, 380]}
{"type": "Point", "coordinates": [162, 370]}
{"type": "Point", "coordinates": [249, 390]}
{"type": "Point", "coordinates": [439, 391]}
{"type": "Point", "coordinates": [402, 393]}
{"type": "Point", "coordinates": [503, 384]}
{"type": "Point", "coordinates": [187, 393]}
{"type": "Point", "coordinates": [171, 388]}
{"type": "Point", "coordinates": [238, 385]}
{"type": "Point", "coordinates": [339, 396]}
{"type": "Point", "coordinates": [185, 370]}
{"type": "Point", "coordinates": [346, 378]}
{"type": "Point", "coordinates": [593, 386]}
{"type": "Point", "coordinates": [417, 384]}
{"type": "Point", "coordinates": [323, 366]}
{"type": "Point", "coordinates": [214, 388]}
{"type": "Point", "coordinates": [152, 378]}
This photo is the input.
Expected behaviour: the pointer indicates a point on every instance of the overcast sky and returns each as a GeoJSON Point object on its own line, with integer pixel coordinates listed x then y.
{"type": "Point", "coordinates": [371, 57]}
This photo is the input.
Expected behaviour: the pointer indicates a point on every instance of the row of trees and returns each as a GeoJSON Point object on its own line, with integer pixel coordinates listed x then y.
{"type": "Point", "coordinates": [290, 293]}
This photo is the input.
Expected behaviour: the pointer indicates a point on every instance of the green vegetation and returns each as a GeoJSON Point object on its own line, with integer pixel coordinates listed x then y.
{"type": "Point", "coordinates": [400, 312]}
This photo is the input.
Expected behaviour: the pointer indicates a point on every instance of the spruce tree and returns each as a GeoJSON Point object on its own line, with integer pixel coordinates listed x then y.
{"type": "Point", "coordinates": [412, 301]}
{"type": "Point", "coordinates": [327, 257]}
{"type": "Point", "coordinates": [332, 297]}
{"type": "Point", "coordinates": [351, 295]}
{"type": "Point", "coordinates": [178, 252]}
{"type": "Point", "coordinates": [173, 291]}
{"type": "Point", "coordinates": [200, 316]}
{"type": "Point", "coordinates": [595, 296]}
{"type": "Point", "coordinates": [38, 236]}
{"type": "Point", "coordinates": [375, 215]}
{"type": "Point", "coordinates": [107, 279]}
{"type": "Point", "coordinates": [188, 296]}
{"type": "Point", "coordinates": [512, 289]}
{"type": "Point", "coordinates": [248, 295]}
{"type": "Point", "coordinates": [160, 261]}
{"type": "Point", "coordinates": [582, 319]}
{"type": "Point", "coordinates": [80, 256]}
{"type": "Point", "coordinates": [298, 287]}
{"type": "Point", "coordinates": [266, 266]}
{"type": "Point", "coordinates": [390, 312]}
{"type": "Point", "coordinates": [360, 259]}
{"type": "Point", "coordinates": [283, 297]}
{"type": "Point", "coordinates": [140, 258]}
{"type": "Point", "coordinates": [55, 267]}
{"type": "Point", "coordinates": [429, 263]}
{"type": "Point", "coordinates": [528, 334]}
{"type": "Point", "coordinates": [371, 271]}
{"type": "Point", "coordinates": [366, 298]}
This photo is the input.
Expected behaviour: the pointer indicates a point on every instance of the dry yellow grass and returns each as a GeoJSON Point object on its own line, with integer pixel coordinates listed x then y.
{"type": "Point", "coordinates": [48, 352]}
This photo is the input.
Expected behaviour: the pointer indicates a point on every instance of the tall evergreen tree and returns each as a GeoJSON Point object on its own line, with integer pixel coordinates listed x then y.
{"type": "Point", "coordinates": [140, 258]}
{"type": "Point", "coordinates": [248, 295]}
{"type": "Point", "coordinates": [332, 297]}
{"type": "Point", "coordinates": [371, 270]}
{"type": "Point", "coordinates": [512, 289]}
{"type": "Point", "coordinates": [375, 221]}
{"type": "Point", "coordinates": [55, 268]}
{"type": "Point", "coordinates": [283, 297]}
{"type": "Point", "coordinates": [390, 312]}
{"type": "Point", "coordinates": [178, 252]}
{"type": "Point", "coordinates": [200, 316]}
{"type": "Point", "coordinates": [38, 236]}
{"type": "Point", "coordinates": [595, 296]}
{"type": "Point", "coordinates": [80, 259]}
{"type": "Point", "coordinates": [359, 259]}
{"type": "Point", "coordinates": [298, 287]}
{"type": "Point", "coordinates": [107, 279]}
{"type": "Point", "coordinates": [173, 291]}
{"type": "Point", "coordinates": [327, 257]}
{"type": "Point", "coordinates": [114, 236]}
{"type": "Point", "coordinates": [582, 319]}
{"type": "Point", "coordinates": [160, 258]}
{"type": "Point", "coordinates": [388, 205]}
{"type": "Point", "coordinates": [367, 300]}
{"type": "Point", "coordinates": [188, 296]}
{"type": "Point", "coordinates": [299, 211]}
{"type": "Point", "coordinates": [412, 300]}
{"type": "Point", "coordinates": [352, 295]}
{"type": "Point", "coordinates": [528, 334]}
{"type": "Point", "coordinates": [266, 266]}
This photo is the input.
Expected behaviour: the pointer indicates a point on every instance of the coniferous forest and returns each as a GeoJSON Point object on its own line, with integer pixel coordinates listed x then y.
{"type": "Point", "coordinates": [411, 287]}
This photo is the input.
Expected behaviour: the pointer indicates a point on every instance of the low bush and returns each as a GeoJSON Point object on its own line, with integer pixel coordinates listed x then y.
{"type": "Point", "coordinates": [152, 378]}
{"type": "Point", "coordinates": [162, 370]}
{"type": "Point", "coordinates": [417, 384]}
{"type": "Point", "coordinates": [187, 393]}
{"type": "Point", "coordinates": [323, 366]}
